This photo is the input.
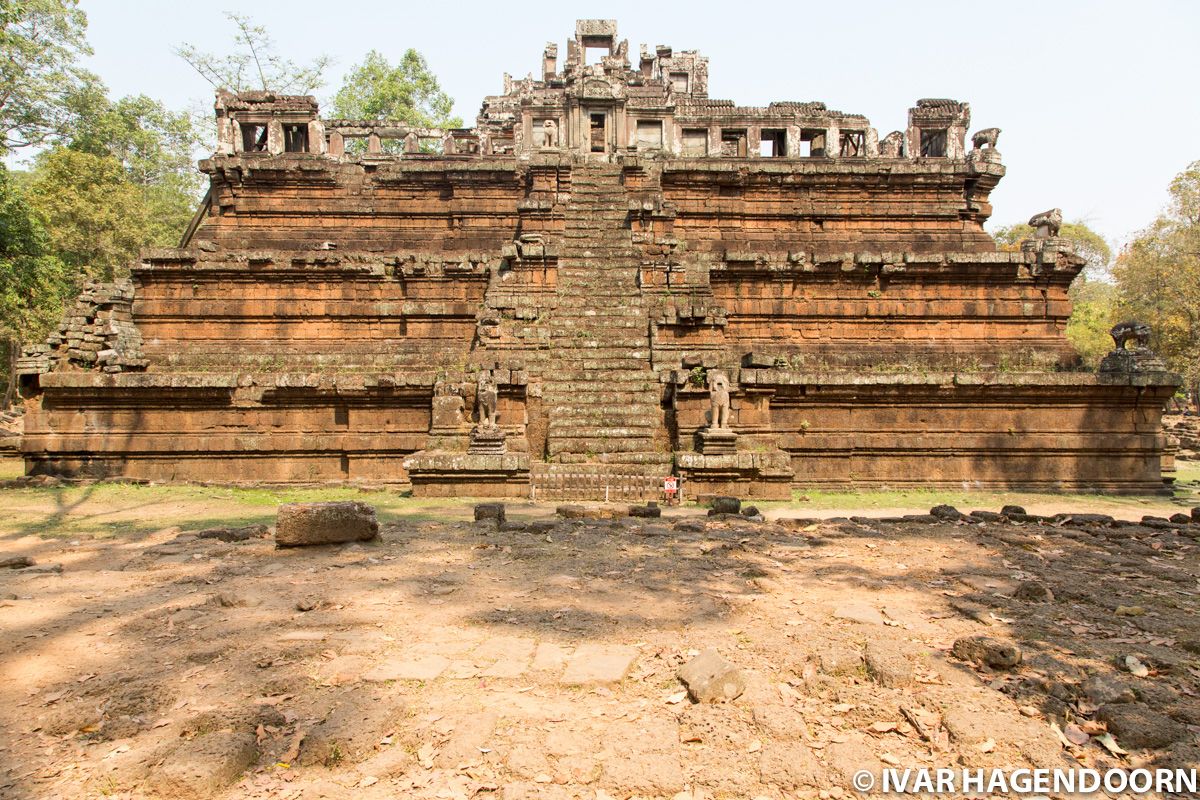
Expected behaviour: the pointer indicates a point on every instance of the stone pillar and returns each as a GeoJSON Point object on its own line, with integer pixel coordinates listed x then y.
{"type": "Point", "coordinates": [275, 137]}
{"type": "Point", "coordinates": [316, 137]}
{"type": "Point", "coordinates": [337, 145]}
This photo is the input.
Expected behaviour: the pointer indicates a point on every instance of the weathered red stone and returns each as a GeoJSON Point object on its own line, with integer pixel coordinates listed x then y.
{"type": "Point", "coordinates": [535, 305]}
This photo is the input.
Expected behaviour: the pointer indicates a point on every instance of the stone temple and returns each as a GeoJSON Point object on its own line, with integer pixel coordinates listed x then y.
{"type": "Point", "coordinates": [610, 279]}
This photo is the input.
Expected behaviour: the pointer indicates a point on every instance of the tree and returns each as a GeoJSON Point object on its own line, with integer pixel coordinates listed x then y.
{"type": "Point", "coordinates": [96, 219]}
{"type": "Point", "coordinates": [40, 43]}
{"type": "Point", "coordinates": [255, 63]}
{"type": "Point", "coordinates": [1158, 278]}
{"type": "Point", "coordinates": [121, 179]}
{"type": "Point", "coordinates": [156, 148]}
{"type": "Point", "coordinates": [1088, 244]}
{"type": "Point", "coordinates": [33, 281]}
{"type": "Point", "coordinates": [1093, 296]}
{"type": "Point", "coordinates": [408, 92]}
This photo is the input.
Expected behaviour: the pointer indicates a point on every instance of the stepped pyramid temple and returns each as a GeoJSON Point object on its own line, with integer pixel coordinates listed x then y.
{"type": "Point", "coordinates": [610, 279]}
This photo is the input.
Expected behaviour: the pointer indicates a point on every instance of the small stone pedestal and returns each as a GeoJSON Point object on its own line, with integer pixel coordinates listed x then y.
{"type": "Point", "coordinates": [445, 474]}
{"type": "Point", "coordinates": [717, 442]}
{"type": "Point", "coordinates": [487, 439]}
{"type": "Point", "coordinates": [1137, 359]}
{"type": "Point", "coordinates": [750, 475]}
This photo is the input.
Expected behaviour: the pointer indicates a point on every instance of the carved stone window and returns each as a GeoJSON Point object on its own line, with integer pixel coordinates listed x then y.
{"type": "Point", "coordinates": [695, 141]}
{"type": "Point", "coordinates": [649, 134]}
{"type": "Point", "coordinates": [254, 137]}
{"type": "Point", "coordinates": [812, 143]}
{"type": "Point", "coordinates": [295, 138]}
{"type": "Point", "coordinates": [933, 143]}
{"type": "Point", "coordinates": [733, 143]}
{"type": "Point", "coordinates": [772, 143]}
{"type": "Point", "coordinates": [853, 144]}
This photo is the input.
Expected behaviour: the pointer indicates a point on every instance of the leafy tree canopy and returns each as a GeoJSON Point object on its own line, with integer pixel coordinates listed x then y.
{"type": "Point", "coordinates": [1093, 296]}
{"type": "Point", "coordinates": [407, 92]}
{"type": "Point", "coordinates": [1158, 277]}
{"type": "Point", "coordinates": [40, 43]}
{"type": "Point", "coordinates": [1088, 244]}
{"type": "Point", "coordinates": [255, 64]}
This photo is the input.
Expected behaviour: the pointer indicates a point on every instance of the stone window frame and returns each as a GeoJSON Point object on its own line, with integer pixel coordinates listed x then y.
{"type": "Point", "coordinates": [934, 142]}
{"type": "Point", "coordinates": [852, 143]}
{"type": "Point", "coordinates": [646, 124]}
{"type": "Point", "coordinates": [809, 137]}
{"type": "Point", "coordinates": [777, 138]}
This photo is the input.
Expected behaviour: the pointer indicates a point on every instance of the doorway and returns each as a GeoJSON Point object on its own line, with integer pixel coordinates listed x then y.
{"type": "Point", "coordinates": [598, 137]}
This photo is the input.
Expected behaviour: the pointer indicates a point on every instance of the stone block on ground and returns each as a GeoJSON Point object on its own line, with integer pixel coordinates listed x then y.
{"type": "Point", "coordinates": [989, 650]}
{"type": "Point", "coordinates": [1034, 592]}
{"type": "Point", "coordinates": [421, 668]}
{"type": "Point", "coordinates": [1104, 690]}
{"type": "Point", "coordinates": [352, 728]}
{"type": "Point", "coordinates": [887, 664]}
{"type": "Point", "coordinates": [711, 679]}
{"type": "Point", "coordinates": [303, 524]}
{"type": "Point", "coordinates": [946, 513]}
{"type": "Point", "coordinates": [724, 505]}
{"type": "Point", "coordinates": [16, 562]}
{"type": "Point", "coordinates": [1010, 511]}
{"type": "Point", "coordinates": [204, 766]}
{"type": "Point", "coordinates": [490, 512]}
{"type": "Point", "coordinates": [572, 511]}
{"type": "Point", "coordinates": [650, 510]}
{"type": "Point", "coordinates": [239, 534]}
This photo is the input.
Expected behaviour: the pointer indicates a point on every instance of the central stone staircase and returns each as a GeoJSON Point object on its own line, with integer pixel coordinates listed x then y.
{"type": "Point", "coordinates": [603, 398]}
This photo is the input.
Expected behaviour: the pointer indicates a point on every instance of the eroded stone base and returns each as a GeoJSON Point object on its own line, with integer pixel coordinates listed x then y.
{"type": "Point", "coordinates": [762, 476]}
{"type": "Point", "coordinates": [442, 474]}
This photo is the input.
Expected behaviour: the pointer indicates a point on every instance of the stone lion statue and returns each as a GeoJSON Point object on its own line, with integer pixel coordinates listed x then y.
{"type": "Point", "coordinates": [1122, 332]}
{"type": "Point", "coordinates": [985, 138]}
{"type": "Point", "coordinates": [1047, 223]}
{"type": "Point", "coordinates": [487, 398]}
{"type": "Point", "coordinates": [718, 395]}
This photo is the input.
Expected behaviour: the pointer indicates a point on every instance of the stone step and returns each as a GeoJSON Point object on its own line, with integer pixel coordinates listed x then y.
{"type": "Point", "coordinates": [656, 464]}
{"type": "Point", "coordinates": [585, 395]}
{"type": "Point", "coordinates": [592, 445]}
{"type": "Point", "coordinates": [601, 347]}
{"type": "Point", "coordinates": [567, 387]}
{"type": "Point", "coordinates": [636, 425]}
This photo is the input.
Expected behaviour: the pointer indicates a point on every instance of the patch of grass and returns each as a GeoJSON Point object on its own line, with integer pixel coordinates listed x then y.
{"type": "Point", "coordinates": [962, 500]}
{"type": "Point", "coordinates": [106, 510]}
{"type": "Point", "coordinates": [11, 468]}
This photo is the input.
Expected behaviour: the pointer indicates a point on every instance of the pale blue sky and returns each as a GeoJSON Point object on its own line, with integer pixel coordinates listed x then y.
{"type": "Point", "coordinates": [1097, 100]}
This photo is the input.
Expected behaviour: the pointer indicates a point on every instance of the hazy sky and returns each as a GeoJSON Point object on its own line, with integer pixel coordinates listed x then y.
{"type": "Point", "coordinates": [1097, 101]}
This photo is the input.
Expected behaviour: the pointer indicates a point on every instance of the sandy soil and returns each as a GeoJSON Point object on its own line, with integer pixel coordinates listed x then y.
{"type": "Point", "coordinates": [454, 659]}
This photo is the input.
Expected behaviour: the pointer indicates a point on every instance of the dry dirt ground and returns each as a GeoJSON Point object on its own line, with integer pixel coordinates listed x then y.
{"type": "Point", "coordinates": [452, 659]}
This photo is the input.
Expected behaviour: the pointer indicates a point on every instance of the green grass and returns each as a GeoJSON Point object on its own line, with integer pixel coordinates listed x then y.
{"type": "Point", "coordinates": [1188, 472]}
{"type": "Point", "coordinates": [966, 501]}
{"type": "Point", "coordinates": [106, 510]}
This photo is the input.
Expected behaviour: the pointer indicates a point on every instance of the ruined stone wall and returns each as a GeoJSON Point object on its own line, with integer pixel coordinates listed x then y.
{"type": "Point", "coordinates": [301, 201]}
{"type": "Point", "coordinates": [352, 294]}
{"type": "Point", "coordinates": [335, 312]}
{"type": "Point", "coordinates": [226, 427]}
{"type": "Point", "coordinates": [831, 207]}
{"type": "Point", "coordinates": [1028, 431]}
